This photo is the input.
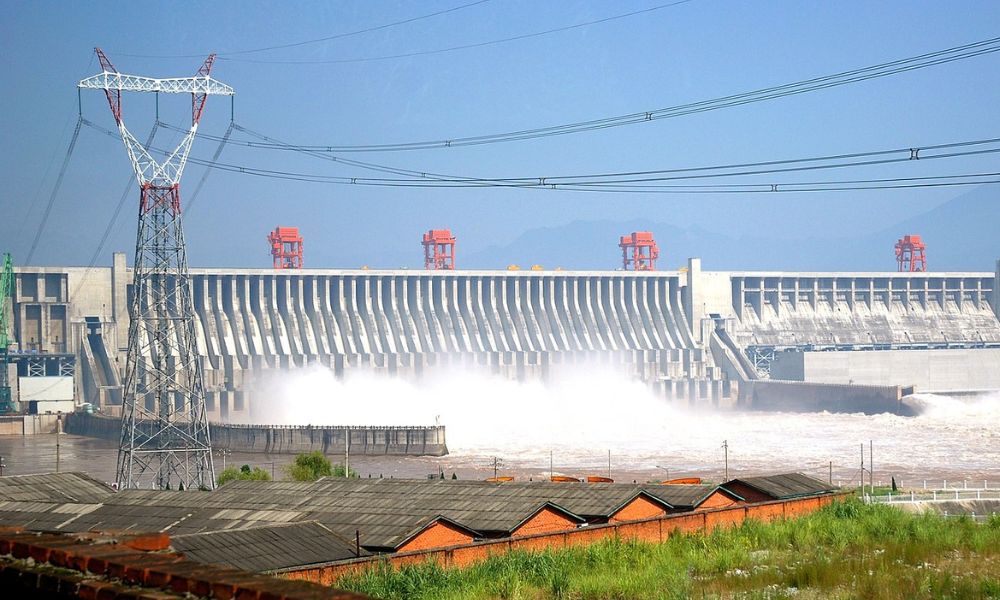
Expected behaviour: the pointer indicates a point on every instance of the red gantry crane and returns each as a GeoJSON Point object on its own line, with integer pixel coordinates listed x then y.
{"type": "Point", "coordinates": [911, 254]}
{"type": "Point", "coordinates": [286, 247]}
{"type": "Point", "coordinates": [639, 251]}
{"type": "Point", "coordinates": [439, 250]}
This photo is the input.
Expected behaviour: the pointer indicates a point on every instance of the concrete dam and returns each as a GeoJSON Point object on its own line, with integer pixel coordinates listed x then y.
{"type": "Point", "coordinates": [694, 336]}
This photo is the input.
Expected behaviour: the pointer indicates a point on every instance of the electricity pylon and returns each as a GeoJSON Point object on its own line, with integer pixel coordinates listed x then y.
{"type": "Point", "coordinates": [165, 439]}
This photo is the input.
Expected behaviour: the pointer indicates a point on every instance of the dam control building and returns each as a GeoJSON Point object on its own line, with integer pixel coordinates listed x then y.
{"type": "Point", "coordinates": [695, 336]}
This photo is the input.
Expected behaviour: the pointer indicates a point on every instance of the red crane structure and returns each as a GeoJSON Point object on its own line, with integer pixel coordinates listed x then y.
{"type": "Point", "coordinates": [286, 247]}
{"type": "Point", "coordinates": [639, 251]}
{"type": "Point", "coordinates": [911, 254]}
{"type": "Point", "coordinates": [439, 250]}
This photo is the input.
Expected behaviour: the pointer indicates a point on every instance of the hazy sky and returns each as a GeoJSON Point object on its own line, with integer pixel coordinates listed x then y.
{"type": "Point", "coordinates": [693, 51]}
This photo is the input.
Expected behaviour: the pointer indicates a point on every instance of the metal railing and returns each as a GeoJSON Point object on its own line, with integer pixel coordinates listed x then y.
{"type": "Point", "coordinates": [934, 496]}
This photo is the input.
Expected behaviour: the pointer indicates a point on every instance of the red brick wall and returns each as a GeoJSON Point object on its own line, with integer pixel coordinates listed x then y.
{"type": "Point", "coordinates": [639, 508]}
{"type": "Point", "coordinates": [716, 499]}
{"type": "Point", "coordinates": [656, 529]}
{"type": "Point", "coordinates": [438, 535]}
{"type": "Point", "coordinates": [113, 567]}
{"type": "Point", "coordinates": [748, 493]}
{"type": "Point", "coordinates": [546, 520]}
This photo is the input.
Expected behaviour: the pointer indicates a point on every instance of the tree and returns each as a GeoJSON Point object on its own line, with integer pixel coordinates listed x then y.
{"type": "Point", "coordinates": [244, 473]}
{"type": "Point", "coordinates": [338, 471]}
{"type": "Point", "coordinates": [310, 467]}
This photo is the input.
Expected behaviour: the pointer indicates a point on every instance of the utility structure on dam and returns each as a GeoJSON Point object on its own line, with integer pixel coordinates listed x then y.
{"type": "Point", "coordinates": [696, 336]}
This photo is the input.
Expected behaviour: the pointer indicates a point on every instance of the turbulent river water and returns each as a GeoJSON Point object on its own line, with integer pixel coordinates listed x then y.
{"type": "Point", "coordinates": [571, 424]}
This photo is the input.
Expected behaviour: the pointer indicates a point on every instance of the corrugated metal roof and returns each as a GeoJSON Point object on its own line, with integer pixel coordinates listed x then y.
{"type": "Point", "coordinates": [386, 512]}
{"type": "Point", "coordinates": [53, 487]}
{"type": "Point", "coordinates": [787, 485]}
{"type": "Point", "coordinates": [267, 548]}
{"type": "Point", "coordinates": [452, 497]}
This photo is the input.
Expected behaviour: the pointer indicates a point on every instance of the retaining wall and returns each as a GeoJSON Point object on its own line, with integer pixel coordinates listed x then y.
{"type": "Point", "coordinates": [656, 530]}
{"type": "Point", "coordinates": [412, 441]}
{"type": "Point", "coordinates": [28, 424]}
{"type": "Point", "coordinates": [927, 370]}
{"type": "Point", "coordinates": [395, 441]}
{"type": "Point", "coordinates": [798, 396]}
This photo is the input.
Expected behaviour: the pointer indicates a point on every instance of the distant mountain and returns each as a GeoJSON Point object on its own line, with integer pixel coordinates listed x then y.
{"type": "Point", "coordinates": [962, 234]}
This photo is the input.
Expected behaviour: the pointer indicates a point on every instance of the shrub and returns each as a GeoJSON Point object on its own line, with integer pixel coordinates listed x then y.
{"type": "Point", "coordinates": [313, 465]}
{"type": "Point", "coordinates": [310, 467]}
{"type": "Point", "coordinates": [244, 473]}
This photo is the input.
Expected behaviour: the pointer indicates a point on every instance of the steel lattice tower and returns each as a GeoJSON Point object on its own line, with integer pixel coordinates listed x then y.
{"type": "Point", "coordinates": [165, 439]}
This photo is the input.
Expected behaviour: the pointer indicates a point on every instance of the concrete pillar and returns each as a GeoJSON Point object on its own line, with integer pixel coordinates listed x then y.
{"type": "Point", "coordinates": [693, 294]}
{"type": "Point", "coordinates": [119, 299]}
{"type": "Point", "coordinates": [996, 291]}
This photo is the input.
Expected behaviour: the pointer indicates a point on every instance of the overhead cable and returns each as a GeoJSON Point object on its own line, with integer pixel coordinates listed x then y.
{"type": "Point", "coordinates": [55, 191]}
{"type": "Point", "coordinates": [310, 41]}
{"type": "Point", "coordinates": [885, 69]}
{"type": "Point", "coordinates": [204, 176]}
{"type": "Point", "coordinates": [118, 209]}
{"type": "Point", "coordinates": [612, 182]}
{"type": "Point", "coordinates": [460, 47]}
{"type": "Point", "coordinates": [794, 186]}
{"type": "Point", "coordinates": [909, 153]}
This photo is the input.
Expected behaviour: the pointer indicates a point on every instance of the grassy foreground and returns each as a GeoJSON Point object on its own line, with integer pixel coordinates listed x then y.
{"type": "Point", "coordinates": [846, 550]}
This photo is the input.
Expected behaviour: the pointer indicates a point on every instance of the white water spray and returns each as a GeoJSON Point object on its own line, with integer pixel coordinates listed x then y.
{"type": "Point", "coordinates": [582, 413]}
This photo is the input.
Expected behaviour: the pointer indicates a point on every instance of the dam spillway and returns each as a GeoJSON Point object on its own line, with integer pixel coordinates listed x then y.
{"type": "Point", "coordinates": [694, 336]}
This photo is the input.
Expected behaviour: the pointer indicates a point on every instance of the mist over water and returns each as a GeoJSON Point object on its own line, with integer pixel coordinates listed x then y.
{"type": "Point", "coordinates": [581, 414]}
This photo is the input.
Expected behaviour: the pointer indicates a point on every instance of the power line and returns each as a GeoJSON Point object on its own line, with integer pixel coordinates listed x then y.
{"type": "Point", "coordinates": [55, 192]}
{"type": "Point", "coordinates": [118, 209]}
{"type": "Point", "coordinates": [312, 41]}
{"type": "Point", "coordinates": [605, 182]}
{"type": "Point", "coordinates": [23, 228]}
{"type": "Point", "coordinates": [461, 47]}
{"type": "Point", "coordinates": [910, 153]}
{"type": "Point", "coordinates": [854, 159]}
{"type": "Point", "coordinates": [787, 187]}
{"type": "Point", "coordinates": [885, 69]}
{"type": "Point", "coordinates": [204, 176]}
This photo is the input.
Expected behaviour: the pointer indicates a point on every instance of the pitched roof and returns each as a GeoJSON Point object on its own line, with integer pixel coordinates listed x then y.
{"type": "Point", "coordinates": [583, 499]}
{"type": "Point", "coordinates": [386, 512]}
{"type": "Point", "coordinates": [53, 487]}
{"type": "Point", "coordinates": [686, 496]}
{"type": "Point", "coordinates": [267, 548]}
{"type": "Point", "coordinates": [787, 485]}
{"type": "Point", "coordinates": [483, 508]}
{"type": "Point", "coordinates": [43, 516]}
{"type": "Point", "coordinates": [226, 509]}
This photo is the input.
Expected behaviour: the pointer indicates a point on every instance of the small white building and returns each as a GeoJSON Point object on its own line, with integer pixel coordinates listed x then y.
{"type": "Point", "coordinates": [47, 394]}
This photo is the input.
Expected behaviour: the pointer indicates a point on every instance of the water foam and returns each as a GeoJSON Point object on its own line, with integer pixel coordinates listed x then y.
{"type": "Point", "coordinates": [581, 414]}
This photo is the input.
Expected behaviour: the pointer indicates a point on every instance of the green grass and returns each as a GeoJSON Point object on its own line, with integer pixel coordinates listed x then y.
{"type": "Point", "coordinates": [846, 550]}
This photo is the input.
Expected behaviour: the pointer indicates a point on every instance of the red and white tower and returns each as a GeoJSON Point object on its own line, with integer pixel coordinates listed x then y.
{"type": "Point", "coordinates": [286, 247]}
{"type": "Point", "coordinates": [439, 250]}
{"type": "Point", "coordinates": [639, 251]}
{"type": "Point", "coordinates": [165, 440]}
{"type": "Point", "coordinates": [911, 254]}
